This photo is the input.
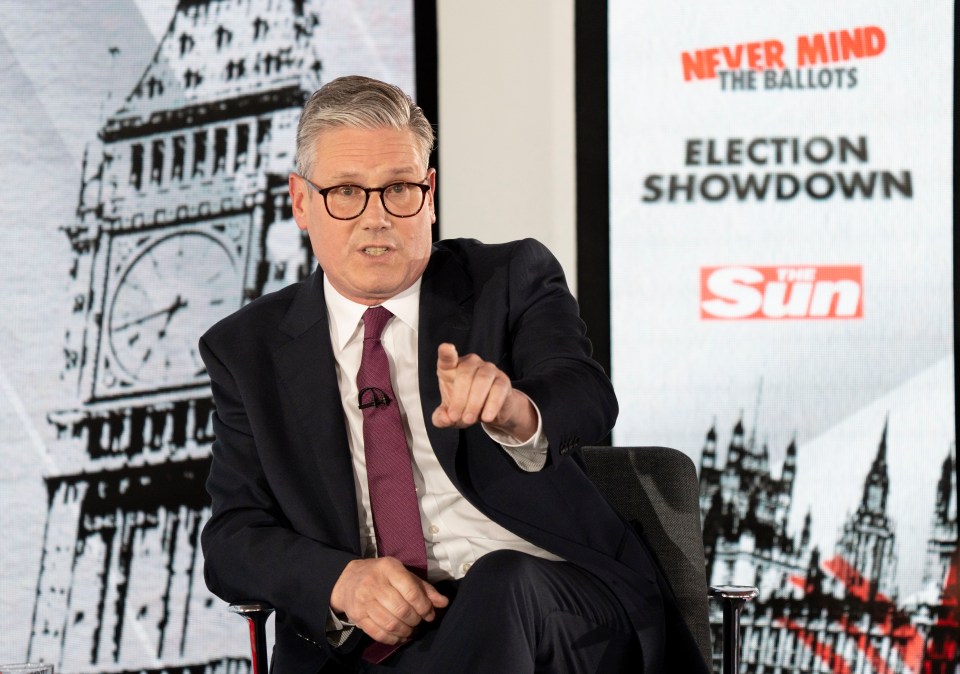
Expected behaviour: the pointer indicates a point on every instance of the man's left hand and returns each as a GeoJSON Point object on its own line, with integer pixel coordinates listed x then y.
{"type": "Point", "coordinates": [472, 390]}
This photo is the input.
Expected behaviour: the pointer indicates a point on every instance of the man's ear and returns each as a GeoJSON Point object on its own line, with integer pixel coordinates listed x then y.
{"type": "Point", "coordinates": [298, 193]}
{"type": "Point", "coordinates": [432, 180]}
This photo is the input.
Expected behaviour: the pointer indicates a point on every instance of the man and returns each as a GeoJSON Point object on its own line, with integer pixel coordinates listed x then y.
{"type": "Point", "coordinates": [394, 467]}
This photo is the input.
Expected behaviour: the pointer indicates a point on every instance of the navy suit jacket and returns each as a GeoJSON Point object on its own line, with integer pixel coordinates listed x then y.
{"type": "Point", "coordinates": [284, 521]}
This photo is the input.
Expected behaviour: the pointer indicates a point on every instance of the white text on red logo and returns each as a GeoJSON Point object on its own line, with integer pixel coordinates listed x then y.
{"type": "Point", "coordinates": [781, 292]}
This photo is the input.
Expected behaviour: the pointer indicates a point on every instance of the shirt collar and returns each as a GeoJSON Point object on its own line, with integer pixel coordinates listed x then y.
{"type": "Point", "coordinates": [346, 316]}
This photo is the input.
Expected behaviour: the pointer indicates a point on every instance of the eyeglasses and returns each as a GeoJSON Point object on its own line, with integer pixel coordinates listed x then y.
{"type": "Point", "coordinates": [346, 202]}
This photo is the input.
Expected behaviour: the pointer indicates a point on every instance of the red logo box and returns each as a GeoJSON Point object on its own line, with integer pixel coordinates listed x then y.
{"type": "Point", "coordinates": [783, 292]}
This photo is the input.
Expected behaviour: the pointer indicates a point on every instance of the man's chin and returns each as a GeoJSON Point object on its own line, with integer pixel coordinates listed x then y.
{"type": "Point", "coordinates": [377, 292]}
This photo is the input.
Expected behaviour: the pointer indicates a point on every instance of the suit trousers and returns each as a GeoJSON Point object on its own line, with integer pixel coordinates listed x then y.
{"type": "Point", "coordinates": [515, 613]}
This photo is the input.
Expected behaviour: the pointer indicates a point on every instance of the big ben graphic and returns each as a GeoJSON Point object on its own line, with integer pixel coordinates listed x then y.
{"type": "Point", "coordinates": [183, 217]}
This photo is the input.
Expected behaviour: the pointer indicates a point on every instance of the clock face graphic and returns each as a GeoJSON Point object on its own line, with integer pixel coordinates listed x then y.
{"type": "Point", "coordinates": [168, 296]}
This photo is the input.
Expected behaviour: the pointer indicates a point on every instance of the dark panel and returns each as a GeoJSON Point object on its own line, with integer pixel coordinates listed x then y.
{"type": "Point", "coordinates": [593, 204]}
{"type": "Point", "coordinates": [425, 46]}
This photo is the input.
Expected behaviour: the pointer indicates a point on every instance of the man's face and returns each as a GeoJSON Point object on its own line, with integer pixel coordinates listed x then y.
{"type": "Point", "coordinates": [376, 255]}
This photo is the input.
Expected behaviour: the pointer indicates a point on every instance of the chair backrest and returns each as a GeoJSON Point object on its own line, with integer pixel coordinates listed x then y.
{"type": "Point", "coordinates": [658, 487]}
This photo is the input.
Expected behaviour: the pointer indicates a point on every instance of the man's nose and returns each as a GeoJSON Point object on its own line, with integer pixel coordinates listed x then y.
{"type": "Point", "coordinates": [375, 215]}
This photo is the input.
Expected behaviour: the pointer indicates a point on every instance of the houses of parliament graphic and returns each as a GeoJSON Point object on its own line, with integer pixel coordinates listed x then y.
{"type": "Point", "coordinates": [183, 217]}
{"type": "Point", "coordinates": [827, 610]}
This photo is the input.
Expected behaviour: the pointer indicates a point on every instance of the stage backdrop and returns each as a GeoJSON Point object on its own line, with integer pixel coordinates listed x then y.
{"type": "Point", "coordinates": [782, 308]}
{"type": "Point", "coordinates": [145, 151]}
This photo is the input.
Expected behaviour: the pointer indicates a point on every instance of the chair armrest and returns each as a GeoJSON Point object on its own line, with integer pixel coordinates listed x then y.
{"type": "Point", "coordinates": [256, 613]}
{"type": "Point", "coordinates": [732, 598]}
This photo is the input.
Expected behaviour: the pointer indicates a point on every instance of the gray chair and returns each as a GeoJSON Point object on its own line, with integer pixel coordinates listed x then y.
{"type": "Point", "coordinates": [657, 487]}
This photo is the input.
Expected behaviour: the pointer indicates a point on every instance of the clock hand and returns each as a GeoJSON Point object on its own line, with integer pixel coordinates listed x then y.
{"type": "Point", "coordinates": [138, 321]}
{"type": "Point", "coordinates": [177, 305]}
{"type": "Point", "coordinates": [174, 308]}
{"type": "Point", "coordinates": [169, 311]}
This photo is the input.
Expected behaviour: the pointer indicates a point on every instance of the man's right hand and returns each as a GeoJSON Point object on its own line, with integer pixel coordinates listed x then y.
{"type": "Point", "coordinates": [384, 599]}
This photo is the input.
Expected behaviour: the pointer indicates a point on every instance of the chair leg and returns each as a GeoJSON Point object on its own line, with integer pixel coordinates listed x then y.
{"type": "Point", "coordinates": [733, 598]}
{"type": "Point", "coordinates": [256, 614]}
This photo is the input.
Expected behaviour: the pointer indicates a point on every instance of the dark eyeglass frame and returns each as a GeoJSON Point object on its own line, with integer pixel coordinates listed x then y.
{"type": "Point", "coordinates": [322, 191]}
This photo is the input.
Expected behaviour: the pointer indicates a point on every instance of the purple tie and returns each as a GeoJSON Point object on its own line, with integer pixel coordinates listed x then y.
{"type": "Point", "coordinates": [393, 496]}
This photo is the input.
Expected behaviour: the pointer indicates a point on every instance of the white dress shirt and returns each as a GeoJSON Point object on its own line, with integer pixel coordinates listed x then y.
{"type": "Point", "coordinates": [455, 532]}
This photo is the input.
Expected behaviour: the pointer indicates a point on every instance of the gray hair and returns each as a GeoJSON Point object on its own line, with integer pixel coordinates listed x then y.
{"type": "Point", "coordinates": [359, 103]}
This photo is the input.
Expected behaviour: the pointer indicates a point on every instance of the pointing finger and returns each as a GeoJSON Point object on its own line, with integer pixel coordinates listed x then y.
{"type": "Point", "coordinates": [447, 357]}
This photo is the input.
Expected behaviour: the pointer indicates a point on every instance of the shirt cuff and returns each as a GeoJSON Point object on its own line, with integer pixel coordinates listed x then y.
{"type": "Point", "coordinates": [531, 455]}
{"type": "Point", "coordinates": [338, 631]}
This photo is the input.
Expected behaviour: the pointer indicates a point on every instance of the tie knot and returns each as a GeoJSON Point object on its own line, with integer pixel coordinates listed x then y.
{"type": "Point", "coordinates": [374, 319]}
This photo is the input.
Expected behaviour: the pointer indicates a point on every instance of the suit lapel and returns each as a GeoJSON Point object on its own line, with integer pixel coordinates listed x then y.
{"type": "Point", "coordinates": [445, 316]}
{"type": "Point", "coordinates": [308, 374]}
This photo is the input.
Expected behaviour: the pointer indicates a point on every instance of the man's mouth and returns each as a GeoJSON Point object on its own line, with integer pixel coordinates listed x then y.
{"type": "Point", "coordinates": [376, 251]}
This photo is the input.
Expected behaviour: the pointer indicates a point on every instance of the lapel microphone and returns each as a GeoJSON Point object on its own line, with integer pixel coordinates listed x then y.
{"type": "Point", "coordinates": [371, 396]}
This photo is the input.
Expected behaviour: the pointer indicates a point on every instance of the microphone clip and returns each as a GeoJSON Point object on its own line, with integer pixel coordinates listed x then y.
{"type": "Point", "coordinates": [371, 396]}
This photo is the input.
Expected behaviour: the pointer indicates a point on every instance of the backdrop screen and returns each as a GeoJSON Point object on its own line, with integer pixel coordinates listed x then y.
{"type": "Point", "coordinates": [782, 308]}
{"type": "Point", "coordinates": [146, 146]}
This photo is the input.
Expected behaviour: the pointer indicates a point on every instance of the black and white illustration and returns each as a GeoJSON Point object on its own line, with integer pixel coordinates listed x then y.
{"type": "Point", "coordinates": [147, 147]}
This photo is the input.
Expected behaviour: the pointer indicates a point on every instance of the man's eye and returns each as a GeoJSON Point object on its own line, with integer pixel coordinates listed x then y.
{"type": "Point", "coordinates": [346, 191]}
{"type": "Point", "coordinates": [397, 188]}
